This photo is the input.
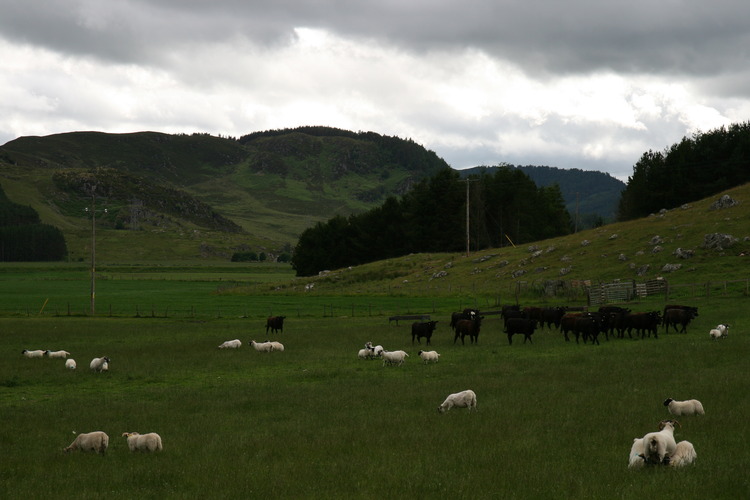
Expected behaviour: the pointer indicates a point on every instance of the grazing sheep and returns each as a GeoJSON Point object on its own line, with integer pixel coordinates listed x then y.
{"type": "Point", "coordinates": [143, 442]}
{"type": "Point", "coordinates": [38, 353]}
{"type": "Point", "coordinates": [231, 344]}
{"type": "Point", "coordinates": [679, 408]}
{"type": "Point", "coordinates": [57, 354]}
{"type": "Point", "coordinates": [658, 447]}
{"type": "Point", "coordinates": [636, 460]}
{"type": "Point", "coordinates": [93, 441]}
{"type": "Point", "coordinates": [70, 364]}
{"type": "Point", "coordinates": [428, 356]}
{"type": "Point", "coordinates": [366, 353]}
{"type": "Point", "coordinates": [463, 399]}
{"type": "Point", "coordinates": [719, 332]}
{"type": "Point", "coordinates": [99, 364]}
{"type": "Point", "coordinates": [276, 346]}
{"type": "Point", "coordinates": [394, 357]}
{"type": "Point", "coordinates": [683, 455]}
{"type": "Point", "coordinates": [262, 346]}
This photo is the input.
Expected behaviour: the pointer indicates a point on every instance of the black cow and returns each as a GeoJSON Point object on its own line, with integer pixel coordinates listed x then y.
{"type": "Point", "coordinates": [468, 327]}
{"type": "Point", "coordinates": [677, 306]}
{"type": "Point", "coordinates": [467, 313]}
{"type": "Point", "coordinates": [552, 316]}
{"type": "Point", "coordinates": [567, 324]}
{"type": "Point", "coordinates": [425, 329]}
{"type": "Point", "coordinates": [275, 323]}
{"type": "Point", "coordinates": [522, 326]}
{"type": "Point", "coordinates": [682, 317]}
{"type": "Point", "coordinates": [643, 322]}
{"type": "Point", "coordinates": [589, 326]}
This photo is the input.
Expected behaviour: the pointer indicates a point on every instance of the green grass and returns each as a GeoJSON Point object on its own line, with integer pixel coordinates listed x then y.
{"type": "Point", "coordinates": [555, 419]}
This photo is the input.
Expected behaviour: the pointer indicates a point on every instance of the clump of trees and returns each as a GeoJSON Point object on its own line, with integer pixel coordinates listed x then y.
{"type": "Point", "coordinates": [24, 238]}
{"type": "Point", "coordinates": [504, 206]}
{"type": "Point", "coordinates": [694, 168]}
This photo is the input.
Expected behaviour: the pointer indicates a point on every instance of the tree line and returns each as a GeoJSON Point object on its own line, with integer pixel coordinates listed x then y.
{"type": "Point", "coordinates": [23, 237]}
{"type": "Point", "coordinates": [692, 169]}
{"type": "Point", "coordinates": [505, 207]}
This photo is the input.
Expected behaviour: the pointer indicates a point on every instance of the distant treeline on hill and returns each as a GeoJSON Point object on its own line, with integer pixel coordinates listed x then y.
{"type": "Point", "coordinates": [690, 170]}
{"type": "Point", "coordinates": [24, 238]}
{"type": "Point", "coordinates": [505, 207]}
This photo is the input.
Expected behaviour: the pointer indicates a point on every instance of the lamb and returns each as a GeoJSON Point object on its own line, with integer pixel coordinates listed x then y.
{"type": "Point", "coordinates": [231, 344]}
{"type": "Point", "coordinates": [365, 353]}
{"type": "Point", "coordinates": [428, 356]}
{"type": "Point", "coordinates": [93, 441]}
{"type": "Point", "coordinates": [143, 442]}
{"type": "Point", "coordinates": [37, 353]}
{"type": "Point", "coordinates": [636, 460]}
{"type": "Point", "coordinates": [679, 408]}
{"type": "Point", "coordinates": [463, 399]}
{"type": "Point", "coordinates": [721, 331]}
{"type": "Point", "coordinates": [70, 364]}
{"type": "Point", "coordinates": [57, 354]}
{"type": "Point", "coordinates": [276, 346]}
{"type": "Point", "coordinates": [658, 447]}
{"type": "Point", "coordinates": [99, 364]}
{"type": "Point", "coordinates": [394, 357]}
{"type": "Point", "coordinates": [683, 455]}
{"type": "Point", "coordinates": [262, 346]}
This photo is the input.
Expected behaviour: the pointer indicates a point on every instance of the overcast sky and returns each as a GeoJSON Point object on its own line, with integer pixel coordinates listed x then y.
{"type": "Point", "coordinates": [590, 84]}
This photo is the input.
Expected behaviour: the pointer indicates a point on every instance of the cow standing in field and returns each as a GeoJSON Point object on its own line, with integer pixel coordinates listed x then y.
{"type": "Point", "coordinates": [425, 329]}
{"type": "Point", "coordinates": [522, 326]}
{"type": "Point", "coordinates": [468, 327]}
{"type": "Point", "coordinates": [275, 324]}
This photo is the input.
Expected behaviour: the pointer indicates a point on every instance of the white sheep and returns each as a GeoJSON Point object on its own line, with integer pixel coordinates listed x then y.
{"type": "Point", "coordinates": [463, 399]}
{"type": "Point", "coordinates": [262, 346]}
{"type": "Point", "coordinates": [658, 446]}
{"type": "Point", "coordinates": [364, 353]}
{"type": "Point", "coordinates": [143, 442]}
{"type": "Point", "coordinates": [70, 364]}
{"type": "Point", "coordinates": [683, 455]}
{"type": "Point", "coordinates": [93, 441]}
{"type": "Point", "coordinates": [277, 346]}
{"type": "Point", "coordinates": [721, 331]}
{"type": "Point", "coordinates": [231, 344]}
{"type": "Point", "coordinates": [37, 353]}
{"type": "Point", "coordinates": [57, 354]}
{"type": "Point", "coordinates": [428, 356]}
{"type": "Point", "coordinates": [99, 364]}
{"type": "Point", "coordinates": [636, 460]}
{"type": "Point", "coordinates": [394, 357]}
{"type": "Point", "coordinates": [679, 408]}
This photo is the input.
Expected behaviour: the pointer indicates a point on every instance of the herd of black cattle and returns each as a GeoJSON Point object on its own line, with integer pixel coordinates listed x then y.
{"type": "Point", "coordinates": [588, 325]}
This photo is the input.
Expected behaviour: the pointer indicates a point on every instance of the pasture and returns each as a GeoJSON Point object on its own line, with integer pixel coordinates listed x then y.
{"type": "Point", "coordinates": [554, 419]}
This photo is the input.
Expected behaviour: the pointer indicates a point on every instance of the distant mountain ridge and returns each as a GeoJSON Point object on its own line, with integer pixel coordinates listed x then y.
{"type": "Point", "coordinates": [592, 195]}
{"type": "Point", "coordinates": [217, 195]}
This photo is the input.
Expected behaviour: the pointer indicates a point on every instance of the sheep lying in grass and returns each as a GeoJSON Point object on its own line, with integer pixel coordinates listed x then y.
{"type": "Point", "coordinates": [99, 364]}
{"type": "Point", "coordinates": [636, 460]}
{"type": "Point", "coordinates": [70, 364]}
{"type": "Point", "coordinates": [721, 331]}
{"type": "Point", "coordinates": [463, 399]}
{"type": "Point", "coordinates": [143, 442]}
{"type": "Point", "coordinates": [37, 353]}
{"type": "Point", "coordinates": [276, 346]}
{"type": "Point", "coordinates": [680, 408]}
{"type": "Point", "coordinates": [658, 447]}
{"type": "Point", "coordinates": [429, 356]}
{"type": "Point", "coordinates": [684, 454]}
{"type": "Point", "coordinates": [57, 354]}
{"type": "Point", "coordinates": [261, 346]}
{"type": "Point", "coordinates": [394, 357]}
{"type": "Point", "coordinates": [97, 441]}
{"type": "Point", "coordinates": [231, 344]}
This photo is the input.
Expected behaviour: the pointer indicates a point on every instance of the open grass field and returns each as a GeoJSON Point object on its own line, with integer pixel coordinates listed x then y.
{"type": "Point", "coordinates": [554, 419]}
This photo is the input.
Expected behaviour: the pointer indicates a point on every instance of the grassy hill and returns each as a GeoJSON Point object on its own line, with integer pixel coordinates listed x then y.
{"type": "Point", "coordinates": [635, 250]}
{"type": "Point", "coordinates": [203, 197]}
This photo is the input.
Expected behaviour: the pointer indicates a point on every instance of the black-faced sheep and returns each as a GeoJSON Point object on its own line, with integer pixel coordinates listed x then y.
{"type": "Point", "coordinates": [99, 364]}
{"type": "Point", "coordinates": [659, 446]}
{"type": "Point", "coordinates": [680, 408]}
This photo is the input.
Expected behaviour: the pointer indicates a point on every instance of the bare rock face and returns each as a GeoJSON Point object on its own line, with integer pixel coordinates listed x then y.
{"type": "Point", "coordinates": [725, 201]}
{"type": "Point", "coordinates": [719, 241]}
